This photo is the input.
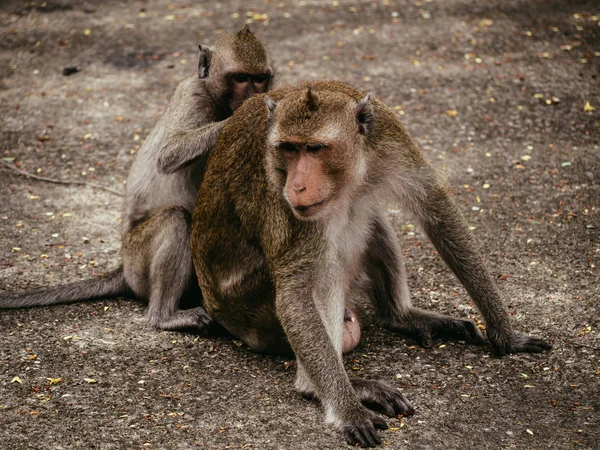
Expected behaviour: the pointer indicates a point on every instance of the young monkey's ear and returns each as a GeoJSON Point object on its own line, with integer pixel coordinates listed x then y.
{"type": "Point", "coordinates": [204, 61]}
{"type": "Point", "coordinates": [364, 115]}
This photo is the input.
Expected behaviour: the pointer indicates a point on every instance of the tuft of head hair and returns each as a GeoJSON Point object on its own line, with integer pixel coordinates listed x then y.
{"type": "Point", "coordinates": [244, 48]}
{"type": "Point", "coordinates": [245, 30]}
{"type": "Point", "coordinates": [270, 106]}
{"type": "Point", "coordinates": [312, 103]}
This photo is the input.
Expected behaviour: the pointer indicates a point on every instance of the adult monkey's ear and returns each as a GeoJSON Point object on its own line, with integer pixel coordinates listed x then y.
{"type": "Point", "coordinates": [204, 61]}
{"type": "Point", "coordinates": [364, 115]}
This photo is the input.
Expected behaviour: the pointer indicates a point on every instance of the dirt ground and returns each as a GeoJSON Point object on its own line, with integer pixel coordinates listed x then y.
{"type": "Point", "coordinates": [500, 94]}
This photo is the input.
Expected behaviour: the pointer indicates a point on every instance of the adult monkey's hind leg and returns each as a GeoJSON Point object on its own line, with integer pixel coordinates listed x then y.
{"type": "Point", "coordinates": [390, 294]}
{"type": "Point", "coordinates": [158, 266]}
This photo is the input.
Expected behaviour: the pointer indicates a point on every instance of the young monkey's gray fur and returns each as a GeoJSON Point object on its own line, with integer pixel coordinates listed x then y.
{"type": "Point", "coordinates": [162, 187]}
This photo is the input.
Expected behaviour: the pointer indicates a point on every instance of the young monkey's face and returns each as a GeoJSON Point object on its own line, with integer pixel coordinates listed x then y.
{"type": "Point", "coordinates": [316, 154]}
{"type": "Point", "coordinates": [244, 85]}
{"type": "Point", "coordinates": [237, 67]}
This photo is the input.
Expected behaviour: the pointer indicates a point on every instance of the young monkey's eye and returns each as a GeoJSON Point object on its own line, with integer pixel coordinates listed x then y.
{"type": "Point", "coordinates": [240, 78]}
{"type": "Point", "coordinates": [313, 148]}
{"type": "Point", "coordinates": [260, 78]}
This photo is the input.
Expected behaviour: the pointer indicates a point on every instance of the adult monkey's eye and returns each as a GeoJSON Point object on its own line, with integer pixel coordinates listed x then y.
{"type": "Point", "coordinates": [288, 147]}
{"type": "Point", "coordinates": [313, 148]}
{"type": "Point", "coordinates": [240, 78]}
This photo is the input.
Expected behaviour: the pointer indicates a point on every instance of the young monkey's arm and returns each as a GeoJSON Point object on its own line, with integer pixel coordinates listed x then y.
{"type": "Point", "coordinates": [184, 147]}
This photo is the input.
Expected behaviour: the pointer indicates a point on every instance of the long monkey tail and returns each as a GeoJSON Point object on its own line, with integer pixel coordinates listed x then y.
{"type": "Point", "coordinates": [112, 284]}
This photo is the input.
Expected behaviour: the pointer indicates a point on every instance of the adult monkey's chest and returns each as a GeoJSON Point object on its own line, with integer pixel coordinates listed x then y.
{"type": "Point", "coordinates": [349, 237]}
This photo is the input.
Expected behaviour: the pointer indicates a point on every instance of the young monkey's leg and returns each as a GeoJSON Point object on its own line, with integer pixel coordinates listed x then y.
{"type": "Point", "coordinates": [158, 266]}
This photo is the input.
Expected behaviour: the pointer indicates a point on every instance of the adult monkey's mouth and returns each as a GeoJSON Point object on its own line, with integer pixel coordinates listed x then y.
{"type": "Point", "coordinates": [308, 210]}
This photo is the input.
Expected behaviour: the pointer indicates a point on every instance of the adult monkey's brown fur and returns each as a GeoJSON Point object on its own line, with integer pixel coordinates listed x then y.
{"type": "Point", "coordinates": [291, 215]}
{"type": "Point", "coordinates": [163, 185]}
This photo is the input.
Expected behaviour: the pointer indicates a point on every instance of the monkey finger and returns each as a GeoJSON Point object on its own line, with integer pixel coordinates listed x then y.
{"type": "Point", "coordinates": [500, 351]}
{"type": "Point", "coordinates": [370, 435]}
{"type": "Point", "coordinates": [402, 405]}
{"type": "Point", "coordinates": [379, 422]}
{"type": "Point", "coordinates": [462, 329]}
{"type": "Point", "coordinates": [530, 344]}
{"type": "Point", "coordinates": [424, 338]}
{"type": "Point", "coordinates": [530, 348]}
{"type": "Point", "coordinates": [542, 346]}
{"type": "Point", "coordinates": [365, 436]}
{"type": "Point", "coordinates": [382, 405]}
{"type": "Point", "coordinates": [202, 318]}
{"type": "Point", "coordinates": [373, 438]}
{"type": "Point", "coordinates": [353, 437]}
{"type": "Point", "coordinates": [472, 334]}
{"type": "Point", "coordinates": [380, 397]}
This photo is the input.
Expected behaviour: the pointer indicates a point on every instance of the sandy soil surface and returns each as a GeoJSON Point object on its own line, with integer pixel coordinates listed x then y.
{"type": "Point", "coordinates": [500, 94]}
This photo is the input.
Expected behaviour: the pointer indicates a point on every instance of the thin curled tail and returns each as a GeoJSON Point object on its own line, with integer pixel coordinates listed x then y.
{"type": "Point", "coordinates": [113, 284]}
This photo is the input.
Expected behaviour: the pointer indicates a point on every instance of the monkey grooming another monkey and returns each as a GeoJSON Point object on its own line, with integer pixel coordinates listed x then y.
{"type": "Point", "coordinates": [291, 215]}
{"type": "Point", "coordinates": [162, 187]}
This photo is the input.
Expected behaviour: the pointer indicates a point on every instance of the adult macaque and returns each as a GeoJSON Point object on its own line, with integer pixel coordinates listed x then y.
{"type": "Point", "coordinates": [291, 214]}
{"type": "Point", "coordinates": [163, 185]}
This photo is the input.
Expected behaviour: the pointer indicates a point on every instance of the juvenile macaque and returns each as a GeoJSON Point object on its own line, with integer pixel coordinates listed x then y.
{"type": "Point", "coordinates": [291, 215]}
{"type": "Point", "coordinates": [163, 185]}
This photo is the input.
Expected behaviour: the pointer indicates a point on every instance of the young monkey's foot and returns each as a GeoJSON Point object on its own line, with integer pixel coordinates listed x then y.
{"type": "Point", "coordinates": [382, 398]}
{"type": "Point", "coordinates": [351, 336]}
{"type": "Point", "coordinates": [514, 342]}
{"type": "Point", "coordinates": [196, 319]}
{"type": "Point", "coordinates": [423, 326]}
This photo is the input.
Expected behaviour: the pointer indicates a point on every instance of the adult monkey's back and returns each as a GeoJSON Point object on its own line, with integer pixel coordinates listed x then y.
{"type": "Point", "coordinates": [292, 214]}
{"type": "Point", "coordinates": [162, 187]}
